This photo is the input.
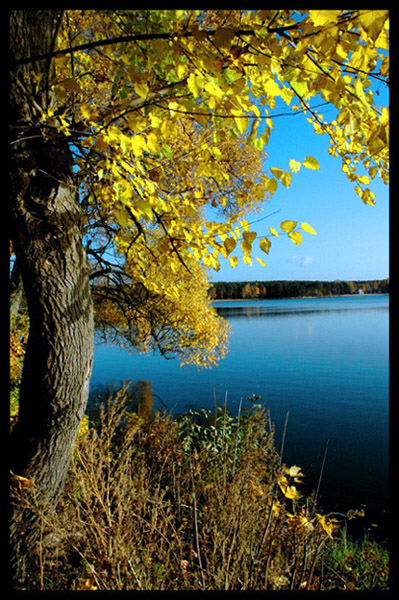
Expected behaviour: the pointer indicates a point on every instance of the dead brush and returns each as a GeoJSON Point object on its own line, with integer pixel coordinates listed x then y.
{"type": "Point", "coordinates": [201, 501]}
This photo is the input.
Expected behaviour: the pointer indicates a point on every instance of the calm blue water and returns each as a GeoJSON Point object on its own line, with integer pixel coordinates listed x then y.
{"type": "Point", "coordinates": [324, 360]}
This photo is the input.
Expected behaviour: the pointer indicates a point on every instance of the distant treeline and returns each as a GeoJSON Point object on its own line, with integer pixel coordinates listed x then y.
{"type": "Point", "coordinates": [223, 290]}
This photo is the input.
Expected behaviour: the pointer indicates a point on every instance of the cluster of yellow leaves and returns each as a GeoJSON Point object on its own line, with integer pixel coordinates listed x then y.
{"type": "Point", "coordinates": [301, 520]}
{"type": "Point", "coordinates": [172, 122]}
{"type": "Point", "coordinates": [172, 313]}
{"type": "Point", "coordinates": [132, 107]}
{"type": "Point", "coordinates": [289, 475]}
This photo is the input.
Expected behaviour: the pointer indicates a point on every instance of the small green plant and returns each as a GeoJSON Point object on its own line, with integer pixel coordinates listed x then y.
{"type": "Point", "coordinates": [360, 564]}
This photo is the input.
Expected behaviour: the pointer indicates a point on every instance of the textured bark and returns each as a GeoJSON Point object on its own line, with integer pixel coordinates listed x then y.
{"type": "Point", "coordinates": [47, 240]}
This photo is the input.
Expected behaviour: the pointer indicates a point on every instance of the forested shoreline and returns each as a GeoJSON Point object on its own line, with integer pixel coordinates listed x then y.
{"type": "Point", "coordinates": [236, 290]}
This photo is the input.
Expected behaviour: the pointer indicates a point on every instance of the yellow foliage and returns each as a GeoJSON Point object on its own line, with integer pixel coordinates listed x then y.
{"type": "Point", "coordinates": [172, 151]}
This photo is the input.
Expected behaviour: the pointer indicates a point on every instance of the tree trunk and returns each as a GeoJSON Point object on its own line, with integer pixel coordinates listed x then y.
{"type": "Point", "coordinates": [47, 240]}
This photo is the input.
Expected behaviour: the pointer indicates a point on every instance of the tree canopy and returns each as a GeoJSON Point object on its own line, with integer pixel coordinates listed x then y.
{"type": "Point", "coordinates": [169, 113]}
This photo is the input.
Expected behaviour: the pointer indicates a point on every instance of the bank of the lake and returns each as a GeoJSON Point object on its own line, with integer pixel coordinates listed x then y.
{"type": "Point", "coordinates": [322, 360]}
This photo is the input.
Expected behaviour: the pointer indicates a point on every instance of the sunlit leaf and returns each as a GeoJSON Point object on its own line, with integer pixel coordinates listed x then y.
{"type": "Point", "coordinates": [296, 237]}
{"type": "Point", "coordinates": [308, 228]}
{"type": "Point", "coordinates": [295, 165]}
{"type": "Point", "coordinates": [288, 225]}
{"type": "Point", "coordinates": [323, 17]}
{"type": "Point", "coordinates": [311, 163]}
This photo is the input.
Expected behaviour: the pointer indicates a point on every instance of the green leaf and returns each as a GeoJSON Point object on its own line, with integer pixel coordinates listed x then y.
{"type": "Point", "coordinates": [308, 228]}
{"type": "Point", "coordinates": [167, 151]}
{"type": "Point", "coordinates": [311, 163]}
{"type": "Point", "coordinates": [296, 237]}
{"type": "Point", "coordinates": [288, 226]}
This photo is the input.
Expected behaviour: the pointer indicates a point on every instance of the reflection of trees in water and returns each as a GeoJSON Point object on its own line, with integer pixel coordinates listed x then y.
{"type": "Point", "coordinates": [263, 311]}
{"type": "Point", "coordinates": [139, 397]}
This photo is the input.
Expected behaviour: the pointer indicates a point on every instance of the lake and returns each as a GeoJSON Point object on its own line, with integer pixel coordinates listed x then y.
{"type": "Point", "coordinates": [322, 360]}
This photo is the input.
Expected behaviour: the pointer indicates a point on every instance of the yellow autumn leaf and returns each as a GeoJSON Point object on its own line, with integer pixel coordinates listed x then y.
{"type": "Point", "coordinates": [152, 142]}
{"type": "Point", "coordinates": [288, 226]}
{"type": "Point", "coordinates": [181, 70]}
{"type": "Point", "coordinates": [295, 165]}
{"type": "Point", "coordinates": [264, 244]}
{"type": "Point", "coordinates": [242, 124]}
{"type": "Point", "coordinates": [271, 185]}
{"type": "Point", "coordinates": [229, 245]}
{"type": "Point", "coordinates": [71, 85]}
{"type": "Point", "coordinates": [249, 236]}
{"type": "Point", "coordinates": [289, 491]}
{"type": "Point", "coordinates": [277, 172]}
{"type": "Point", "coordinates": [373, 21]}
{"type": "Point", "coordinates": [384, 117]}
{"type": "Point", "coordinates": [144, 208]}
{"type": "Point", "coordinates": [194, 84]}
{"type": "Point", "coordinates": [246, 248]}
{"type": "Point", "coordinates": [323, 17]}
{"type": "Point", "coordinates": [86, 110]}
{"type": "Point", "coordinates": [262, 262]}
{"type": "Point", "coordinates": [286, 179]}
{"type": "Point", "coordinates": [122, 216]}
{"type": "Point", "coordinates": [273, 231]}
{"type": "Point", "coordinates": [233, 260]}
{"type": "Point", "coordinates": [138, 144]}
{"type": "Point", "coordinates": [328, 525]}
{"type": "Point", "coordinates": [223, 37]}
{"type": "Point", "coordinates": [141, 89]}
{"type": "Point", "coordinates": [214, 90]}
{"type": "Point", "coordinates": [311, 163]}
{"type": "Point", "coordinates": [296, 237]}
{"type": "Point", "coordinates": [308, 228]}
{"type": "Point", "coordinates": [294, 471]}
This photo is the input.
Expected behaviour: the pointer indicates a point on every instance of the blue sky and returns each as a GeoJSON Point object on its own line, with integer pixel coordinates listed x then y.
{"type": "Point", "coordinates": [352, 238]}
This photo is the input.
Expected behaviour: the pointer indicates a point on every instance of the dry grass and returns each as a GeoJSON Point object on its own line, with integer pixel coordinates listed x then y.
{"type": "Point", "coordinates": [181, 504]}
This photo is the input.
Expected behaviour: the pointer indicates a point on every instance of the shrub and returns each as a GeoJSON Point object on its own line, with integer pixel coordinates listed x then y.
{"type": "Point", "coordinates": [200, 501]}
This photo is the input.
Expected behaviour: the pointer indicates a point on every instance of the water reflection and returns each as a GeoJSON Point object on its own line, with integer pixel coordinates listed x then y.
{"type": "Point", "coordinates": [270, 311]}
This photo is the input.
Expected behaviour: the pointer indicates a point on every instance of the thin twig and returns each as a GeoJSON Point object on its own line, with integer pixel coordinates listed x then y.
{"type": "Point", "coordinates": [321, 473]}
{"type": "Point", "coordinates": [283, 440]}
{"type": "Point", "coordinates": [196, 526]}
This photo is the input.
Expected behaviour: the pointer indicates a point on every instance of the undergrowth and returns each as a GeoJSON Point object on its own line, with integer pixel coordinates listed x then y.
{"type": "Point", "coordinates": [200, 501]}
